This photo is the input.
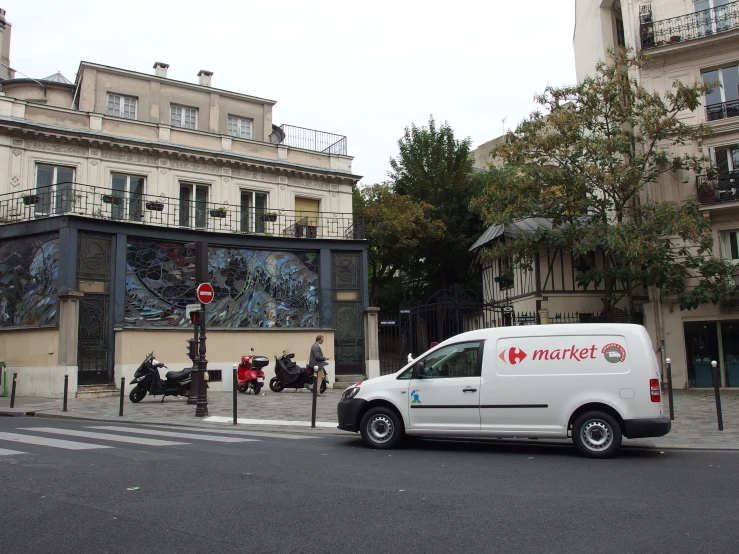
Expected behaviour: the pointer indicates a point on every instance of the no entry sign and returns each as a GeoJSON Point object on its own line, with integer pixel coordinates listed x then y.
{"type": "Point", "coordinates": [205, 293]}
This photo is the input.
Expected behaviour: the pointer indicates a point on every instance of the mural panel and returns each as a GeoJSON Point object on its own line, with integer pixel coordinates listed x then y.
{"type": "Point", "coordinates": [29, 271]}
{"type": "Point", "coordinates": [253, 288]}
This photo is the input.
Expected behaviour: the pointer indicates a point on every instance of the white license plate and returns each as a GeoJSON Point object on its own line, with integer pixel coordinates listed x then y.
{"type": "Point", "coordinates": [260, 380]}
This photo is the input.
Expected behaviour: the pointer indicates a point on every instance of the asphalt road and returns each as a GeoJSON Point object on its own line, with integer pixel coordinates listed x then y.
{"type": "Point", "coordinates": [282, 493]}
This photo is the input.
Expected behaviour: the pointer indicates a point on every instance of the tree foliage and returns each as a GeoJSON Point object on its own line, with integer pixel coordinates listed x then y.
{"type": "Point", "coordinates": [435, 168]}
{"type": "Point", "coordinates": [587, 162]}
{"type": "Point", "coordinates": [396, 228]}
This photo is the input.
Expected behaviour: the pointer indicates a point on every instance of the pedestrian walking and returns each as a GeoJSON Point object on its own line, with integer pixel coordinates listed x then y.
{"type": "Point", "coordinates": [318, 359]}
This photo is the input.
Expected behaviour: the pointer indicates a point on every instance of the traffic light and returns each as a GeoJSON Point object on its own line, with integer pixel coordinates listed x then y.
{"type": "Point", "coordinates": [196, 261]}
{"type": "Point", "coordinates": [192, 349]}
{"type": "Point", "coordinates": [195, 317]}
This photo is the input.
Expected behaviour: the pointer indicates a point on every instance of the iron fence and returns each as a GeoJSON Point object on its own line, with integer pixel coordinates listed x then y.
{"type": "Point", "coordinates": [317, 141]}
{"type": "Point", "coordinates": [617, 316]}
{"type": "Point", "coordinates": [688, 27]}
{"type": "Point", "coordinates": [133, 207]}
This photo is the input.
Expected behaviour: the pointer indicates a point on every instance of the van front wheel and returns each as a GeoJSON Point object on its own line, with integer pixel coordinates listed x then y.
{"type": "Point", "coordinates": [596, 435]}
{"type": "Point", "coordinates": [381, 428]}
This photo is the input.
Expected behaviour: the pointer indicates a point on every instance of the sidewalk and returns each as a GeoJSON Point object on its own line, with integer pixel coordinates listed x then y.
{"type": "Point", "coordinates": [694, 425]}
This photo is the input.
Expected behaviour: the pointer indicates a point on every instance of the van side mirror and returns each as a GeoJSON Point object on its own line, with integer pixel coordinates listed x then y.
{"type": "Point", "coordinates": [418, 370]}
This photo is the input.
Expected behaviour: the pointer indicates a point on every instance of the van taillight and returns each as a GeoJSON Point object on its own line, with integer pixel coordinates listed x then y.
{"type": "Point", "coordinates": [654, 390]}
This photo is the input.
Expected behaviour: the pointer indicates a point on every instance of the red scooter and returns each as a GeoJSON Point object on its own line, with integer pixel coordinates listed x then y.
{"type": "Point", "coordinates": [250, 375]}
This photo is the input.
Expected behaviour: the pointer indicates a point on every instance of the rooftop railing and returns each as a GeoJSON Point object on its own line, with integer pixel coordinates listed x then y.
{"type": "Point", "coordinates": [317, 141]}
{"type": "Point", "coordinates": [687, 27]}
{"type": "Point", "coordinates": [144, 209]}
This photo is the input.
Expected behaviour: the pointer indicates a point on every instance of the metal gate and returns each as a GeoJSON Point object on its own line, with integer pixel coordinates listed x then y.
{"type": "Point", "coordinates": [347, 312]}
{"type": "Point", "coordinates": [444, 314]}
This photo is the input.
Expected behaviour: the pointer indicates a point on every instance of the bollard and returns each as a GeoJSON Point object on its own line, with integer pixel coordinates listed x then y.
{"type": "Point", "coordinates": [12, 391]}
{"type": "Point", "coordinates": [316, 384]}
{"type": "Point", "coordinates": [236, 382]}
{"type": "Point", "coordinates": [717, 395]}
{"type": "Point", "coordinates": [669, 388]}
{"type": "Point", "coordinates": [66, 388]}
{"type": "Point", "coordinates": [123, 392]}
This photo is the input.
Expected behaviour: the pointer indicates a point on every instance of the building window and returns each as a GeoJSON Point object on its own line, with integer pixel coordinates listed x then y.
{"type": "Point", "coordinates": [128, 195]}
{"type": "Point", "coordinates": [239, 127]}
{"type": "Point", "coordinates": [722, 101]}
{"type": "Point", "coordinates": [253, 207]}
{"type": "Point", "coordinates": [726, 159]}
{"type": "Point", "coordinates": [620, 38]}
{"type": "Point", "coordinates": [713, 16]}
{"type": "Point", "coordinates": [730, 245]}
{"type": "Point", "coordinates": [179, 116]}
{"type": "Point", "coordinates": [55, 189]}
{"type": "Point", "coordinates": [193, 205]}
{"type": "Point", "coordinates": [505, 273]}
{"type": "Point", "coordinates": [122, 106]}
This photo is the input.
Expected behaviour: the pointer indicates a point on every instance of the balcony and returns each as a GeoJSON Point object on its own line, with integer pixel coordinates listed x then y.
{"type": "Point", "coordinates": [143, 209]}
{"type": "Point", "coordinates": [309, 139]}
{"type": "Point", "coordinates": [722, 111]}
{"type": "Point", "coordinates": [687, 27]}
{"type": "Point", "coordinates": [722, 187]}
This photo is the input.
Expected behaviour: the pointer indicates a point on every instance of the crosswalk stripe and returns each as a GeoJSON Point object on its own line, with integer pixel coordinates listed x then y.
{"type": "Point", "coordinates": [163, 433]}
{"type": "Point", "coordinates": [53, 443]}
{"type": "Point", "coordinates": [4, 452]}
{"type": "Point", "coordinates": [266, 434]}
{"type": "Point", "coordinates": [106, 436]}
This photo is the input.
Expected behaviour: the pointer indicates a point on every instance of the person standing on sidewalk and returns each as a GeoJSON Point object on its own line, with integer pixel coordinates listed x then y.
{"type": "Point", "coordinates": [318, 359]}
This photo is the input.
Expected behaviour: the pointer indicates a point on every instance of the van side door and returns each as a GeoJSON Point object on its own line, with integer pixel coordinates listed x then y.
{"type": "Point", "coordinates": [444, 392]}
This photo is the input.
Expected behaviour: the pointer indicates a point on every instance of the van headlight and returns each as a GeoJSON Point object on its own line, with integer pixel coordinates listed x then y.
{"type": "Point", "coordinates": [350, 393]}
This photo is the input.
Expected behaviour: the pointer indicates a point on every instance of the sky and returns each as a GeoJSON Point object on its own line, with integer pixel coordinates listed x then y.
{"type": "Point", "coordinates": [361, 69]}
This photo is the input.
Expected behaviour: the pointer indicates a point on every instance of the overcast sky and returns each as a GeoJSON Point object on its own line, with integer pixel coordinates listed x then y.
{"type": "Point", "coordinates": [361, 69]}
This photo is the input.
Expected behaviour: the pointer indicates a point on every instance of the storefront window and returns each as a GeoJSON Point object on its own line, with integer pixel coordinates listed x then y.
{"type": "Point", "coordinates": [701, 348]}
{"type": "Point", "coordinates": [730, 343]}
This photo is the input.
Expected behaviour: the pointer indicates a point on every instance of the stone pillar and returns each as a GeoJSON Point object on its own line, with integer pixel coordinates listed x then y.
{"type": "Point", "coordinates": [69, 316]}
{"type": "Point", "coordinates": [371, 342]}
{"type": "Point", "coordinates": [544, 316]}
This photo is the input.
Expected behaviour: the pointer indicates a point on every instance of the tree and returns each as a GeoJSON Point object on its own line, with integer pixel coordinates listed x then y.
{"type": "Point", "coordinates": [396, 227]}
{"type": "Point", "coordinates": [586, 165]}
{"type": "Point", "coordinates": [435, 168]}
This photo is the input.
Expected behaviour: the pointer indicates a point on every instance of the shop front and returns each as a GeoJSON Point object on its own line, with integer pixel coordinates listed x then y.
{"type": "Point", "coordinates": [708, 341]}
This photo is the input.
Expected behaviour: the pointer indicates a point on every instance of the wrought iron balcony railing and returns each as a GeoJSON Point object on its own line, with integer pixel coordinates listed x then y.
{"type": "Point", "coordinates": [722, 111]}
{"type": "Point", "coordinates": [104, 203]}
{"type": "Point", "coordinates": [688, 27]}
{"type": "Point", "coordinates": [721, 187]}
{"type": "Point", "coordinates": [317, 141]}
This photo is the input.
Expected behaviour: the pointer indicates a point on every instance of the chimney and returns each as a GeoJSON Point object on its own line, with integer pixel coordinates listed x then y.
{"type": "Point", "coordinates": [205, 77]}
{"type": "Point", "coordinates": [160, 69]}
{"type": "Point", "coordinates": [5, 28]}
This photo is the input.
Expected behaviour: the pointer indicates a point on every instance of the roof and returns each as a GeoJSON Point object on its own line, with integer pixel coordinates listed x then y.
{"type": "Point", "coordinates": [168, 80]}
{"type": "Point", "coordinates": [57, 78]}
{"type": "Point", "coordinates": [528, 225]}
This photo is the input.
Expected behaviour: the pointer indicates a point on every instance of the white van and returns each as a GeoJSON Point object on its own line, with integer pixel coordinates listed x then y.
{"type": "Point", "coordinates": [591, 382]}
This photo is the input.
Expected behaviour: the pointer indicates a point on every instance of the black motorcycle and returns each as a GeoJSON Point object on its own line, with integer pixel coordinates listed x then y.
{"type": "Point", "coordinates": [148, 381]}
{"type": "Point", "coordinates": [289, 375]}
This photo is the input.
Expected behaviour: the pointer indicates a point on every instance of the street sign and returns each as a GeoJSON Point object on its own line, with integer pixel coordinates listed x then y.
{"type": "Point", "coordinates": [191, 308]}
{"type": "Point", "coordinates": [204, 293]}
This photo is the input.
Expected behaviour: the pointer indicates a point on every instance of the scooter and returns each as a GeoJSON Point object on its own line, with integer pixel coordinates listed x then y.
{"type": "Point", "coordinates": [250, 375]}
{"type": "Point", "coordinates": [289, 375]}
{"type": "Point", "coordinates": [148, 381]}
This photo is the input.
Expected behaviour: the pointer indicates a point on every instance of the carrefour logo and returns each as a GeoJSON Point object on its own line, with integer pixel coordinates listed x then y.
{"type": "Point", "coordinates": [512, 355]}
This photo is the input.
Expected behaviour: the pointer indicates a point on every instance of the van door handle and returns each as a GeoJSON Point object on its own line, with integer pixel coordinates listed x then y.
{"type": "Point", "coordinates": [469, 389]}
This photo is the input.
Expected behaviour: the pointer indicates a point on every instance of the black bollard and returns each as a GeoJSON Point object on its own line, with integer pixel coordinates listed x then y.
{"type": "Point", "coordinates": [236, 382]}
{"type": "Point", "coordinates": [717, 394]}
{"type": "Point", "coordinates": [66, 388]}
{"type": "Point", "coordinates": [123, 392]}
{"type": "Point", "coordinates": [12, 391]}
{"type": "Point", "coordinates": [315, 397]}
{"type": "Point", "coordinates": [669, 388]}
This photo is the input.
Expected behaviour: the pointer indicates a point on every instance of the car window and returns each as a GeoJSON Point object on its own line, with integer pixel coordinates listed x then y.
{"type": "Point", "coordinates": [407, 374]}
{"type": "Point", "coordinates": [456, 360]}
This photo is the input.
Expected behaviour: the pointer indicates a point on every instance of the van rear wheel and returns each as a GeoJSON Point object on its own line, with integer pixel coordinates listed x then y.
{"type": "Point", "coordinates": [596, 435]}
{"type": "Point", "coordinates": [381, 428]}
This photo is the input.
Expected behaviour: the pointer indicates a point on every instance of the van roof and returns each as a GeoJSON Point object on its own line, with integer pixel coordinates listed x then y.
{"type": "Point", "coordinates": [550, 330]}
